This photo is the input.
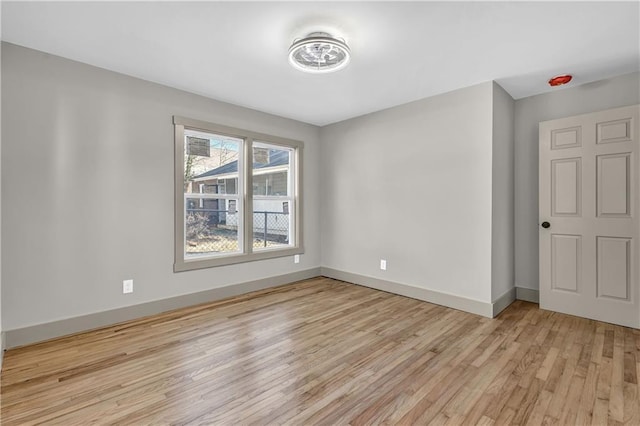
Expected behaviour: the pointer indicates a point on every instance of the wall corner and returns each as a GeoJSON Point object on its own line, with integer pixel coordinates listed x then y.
{"type": "Point", "coordinates": [502, 194]}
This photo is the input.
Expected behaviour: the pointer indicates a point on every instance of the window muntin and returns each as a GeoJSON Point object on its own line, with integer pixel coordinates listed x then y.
{"type": "Point", "coordinates": [221, 202]}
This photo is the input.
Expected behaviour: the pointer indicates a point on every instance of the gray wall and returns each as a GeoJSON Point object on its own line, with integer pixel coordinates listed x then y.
{"type": "Point", "coordinates": [619, 91]}
{"type": "Point", "coordinates": [87, 189]}
{"type": "Point", "coordinates": [412, 185]}
{"type": "Point", "coordinates": [502, 225]}
{"type": "Point", "coordinates": [88, 201]}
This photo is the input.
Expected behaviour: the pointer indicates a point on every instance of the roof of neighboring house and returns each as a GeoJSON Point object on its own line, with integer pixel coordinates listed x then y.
{"type": "Point", "coordinates": [277, 157]}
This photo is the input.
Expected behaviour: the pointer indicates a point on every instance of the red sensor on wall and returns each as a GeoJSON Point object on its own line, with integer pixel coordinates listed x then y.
{"type": "Point", "coordinates": [560, 80]}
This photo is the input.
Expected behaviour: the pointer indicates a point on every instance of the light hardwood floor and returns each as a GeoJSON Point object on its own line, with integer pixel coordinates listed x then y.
{"type": "Point", "coordinates": [326, 352]}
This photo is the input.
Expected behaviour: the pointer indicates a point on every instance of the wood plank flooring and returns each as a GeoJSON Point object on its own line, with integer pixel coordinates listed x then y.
{"type": "Point", "coordinates": [326, 352]}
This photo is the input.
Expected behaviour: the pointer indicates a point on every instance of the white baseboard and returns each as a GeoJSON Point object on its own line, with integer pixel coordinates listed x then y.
{"type": "Point", "coordinates": [439, 298]}
{"type": "Point", "coordinates": [37, 333]}
{"type": "Point", "coordinates": [41, 332]}
{"type": "Point", "coordinates": [502, 302]}
{"type": "Point", "coordinates": [528, 294]}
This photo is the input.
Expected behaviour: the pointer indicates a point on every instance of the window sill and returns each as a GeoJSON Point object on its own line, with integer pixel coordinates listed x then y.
{"type": "Point", "coordinates": [232, 259]}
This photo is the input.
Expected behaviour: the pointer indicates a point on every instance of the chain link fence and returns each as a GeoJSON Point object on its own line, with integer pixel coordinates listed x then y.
{"type": "Point", "coordinates": [270, 229]}
{"type": "Point", "coordinates": [216, 231]}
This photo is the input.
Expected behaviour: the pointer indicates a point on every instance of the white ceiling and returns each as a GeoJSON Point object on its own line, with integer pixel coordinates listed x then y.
{"type": "Point", "coordinates": [237, 51]}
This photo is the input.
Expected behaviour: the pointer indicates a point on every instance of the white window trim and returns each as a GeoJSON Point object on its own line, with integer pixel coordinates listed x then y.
{"type": "Point", "coordinates": [245, 199]}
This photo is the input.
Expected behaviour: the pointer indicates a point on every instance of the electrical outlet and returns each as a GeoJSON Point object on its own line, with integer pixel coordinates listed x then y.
{"type": "Point", "coordinates": [296, 258]}
{"type": "Point", "coordinates": [127, 286]}
{"type": "Point", "coordinates": [383, 264]}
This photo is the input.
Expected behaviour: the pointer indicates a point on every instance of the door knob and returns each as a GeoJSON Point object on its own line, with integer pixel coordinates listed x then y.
{"type": "Point", "coordinates": [546, 225]}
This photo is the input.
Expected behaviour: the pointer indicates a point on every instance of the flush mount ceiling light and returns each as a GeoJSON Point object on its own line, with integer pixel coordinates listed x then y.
{"type": "Point", "coordinates": [319, 53]}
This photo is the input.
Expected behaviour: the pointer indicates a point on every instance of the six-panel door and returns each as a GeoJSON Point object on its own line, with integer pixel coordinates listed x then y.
{"type": "Point", "coordinates": [589, 196]}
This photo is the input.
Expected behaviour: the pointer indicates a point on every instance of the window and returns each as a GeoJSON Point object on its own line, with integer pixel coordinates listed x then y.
{"type": "Point", "coordinates": [237, 195]}
{"type": "Point", "coordinates": [272, 185]}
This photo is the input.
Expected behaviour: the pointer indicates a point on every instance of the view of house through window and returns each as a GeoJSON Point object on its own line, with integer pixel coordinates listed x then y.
{"type": "Point", "coordinates": [212, 215]}
{"type": "Point", "coordinates": [272, 189]}
{"type": "Point", "coordinates": [237, 196]}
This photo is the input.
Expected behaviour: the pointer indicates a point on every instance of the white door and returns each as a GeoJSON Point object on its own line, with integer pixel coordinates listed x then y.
{"type": "Point", "coordinates": [589, 227]}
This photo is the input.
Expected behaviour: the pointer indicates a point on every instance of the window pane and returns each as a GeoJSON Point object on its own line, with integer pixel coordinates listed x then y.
{"type": "Point", "coordinates": [211, 226]}
{"type": "Point", "coordinates": [272, 166]}
{"type": "Point", "coordinates": [211, 167]}
{"type": "Point", "coordinates": [210, 163]}
{"type": "Point", "coordinates": [270, 227]}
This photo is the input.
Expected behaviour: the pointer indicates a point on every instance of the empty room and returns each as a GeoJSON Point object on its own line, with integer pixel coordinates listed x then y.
{"type": "Point", "coordinates": [319, 213]}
